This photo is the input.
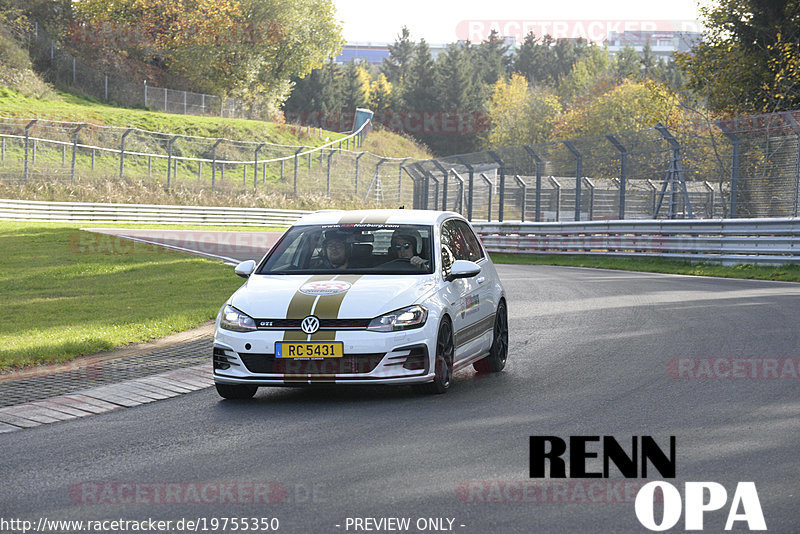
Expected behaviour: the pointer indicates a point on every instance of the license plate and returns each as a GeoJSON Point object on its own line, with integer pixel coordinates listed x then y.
{"type": "Point", "coordinates": [333, 349]}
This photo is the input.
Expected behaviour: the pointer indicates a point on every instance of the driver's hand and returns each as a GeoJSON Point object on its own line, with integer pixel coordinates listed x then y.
{"type": "Point", "coordinates": [416, 261]}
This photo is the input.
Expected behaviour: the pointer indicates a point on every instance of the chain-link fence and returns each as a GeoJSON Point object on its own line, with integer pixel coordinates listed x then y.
{"type": "Point", "coordinates": [63, 69]}
{"type": "Point", "coordinates": [49, 150]}
{"type": "Point", "coordinates": [743, 167]}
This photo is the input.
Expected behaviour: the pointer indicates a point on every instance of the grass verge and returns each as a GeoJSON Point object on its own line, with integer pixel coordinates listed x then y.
{"type": "Point", "coordinates": [786, 273]}
{"type": "Point", "coordinates": [61, 302]}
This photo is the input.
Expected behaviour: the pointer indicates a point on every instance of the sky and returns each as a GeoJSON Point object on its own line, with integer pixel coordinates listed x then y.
{"type": "Point", "coordinates": [440, 22]}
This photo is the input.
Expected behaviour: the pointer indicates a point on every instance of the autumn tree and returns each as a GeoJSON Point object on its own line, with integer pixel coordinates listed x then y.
{"type": "Point", "coordinates": [245, 48]}
{"type": "Point", "coordinates": [749, 57]}
{"type": "Point", "coordinates": [520, 115]}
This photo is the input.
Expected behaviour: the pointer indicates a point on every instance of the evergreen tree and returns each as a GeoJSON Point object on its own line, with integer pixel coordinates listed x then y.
{"type": "Point", "coordinates": [493, 63]}
{"type": "Point", "coordinates": [355, 86]}
{"type": "Point", "coordinates": [419, 93]}
{"type": "Point", "coordinates": [401, 54]}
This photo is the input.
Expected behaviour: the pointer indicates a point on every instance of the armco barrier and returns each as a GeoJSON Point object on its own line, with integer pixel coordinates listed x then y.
{"type": "Point", "coordinates": [728, 241]}
{"type": "Point", "coordinates": [29, 210]}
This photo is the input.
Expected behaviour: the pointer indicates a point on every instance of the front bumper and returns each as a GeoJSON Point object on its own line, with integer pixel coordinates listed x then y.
{"type": "Point", "coordinates": [370, 358]}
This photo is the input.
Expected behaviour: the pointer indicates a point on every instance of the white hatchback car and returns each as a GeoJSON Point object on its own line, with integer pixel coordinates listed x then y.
{"type": "Point", "coordinates": [363, 297]}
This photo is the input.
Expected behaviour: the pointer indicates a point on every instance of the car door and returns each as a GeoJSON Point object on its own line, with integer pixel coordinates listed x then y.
{"type": "Point", "coordinates": [463, 295]}
{"type": "Point", "coordinates": [486, 303]}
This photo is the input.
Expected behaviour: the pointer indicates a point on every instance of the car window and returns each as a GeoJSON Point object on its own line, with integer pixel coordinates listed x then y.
{"type": "Point", "coordinates": [352, 249]}
{"type": "Point", "coordinates": [448, 238]}
{"type": "Point", "coordinates": [472, 245]}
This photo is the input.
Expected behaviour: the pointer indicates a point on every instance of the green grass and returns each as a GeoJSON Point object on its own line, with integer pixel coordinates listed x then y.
{"type": "Point", "coordinates": [786, 273]}
{"type": "Point", "coordinates": [72, 108]}
{"type": "Point", "coordinates": [63, 298]}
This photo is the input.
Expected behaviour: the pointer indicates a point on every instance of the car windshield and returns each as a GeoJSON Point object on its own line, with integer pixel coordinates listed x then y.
{"type": "Point", "coordinates": [403, 249]}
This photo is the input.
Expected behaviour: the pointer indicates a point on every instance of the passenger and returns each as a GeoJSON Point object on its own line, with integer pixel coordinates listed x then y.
{"type": "Point", "coordinates": [335, 251]}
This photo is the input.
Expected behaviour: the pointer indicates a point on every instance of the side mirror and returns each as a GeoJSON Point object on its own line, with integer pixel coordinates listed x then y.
{"type": "Point", "coordinates": [463, 269]}
{"type": "Point", "coordinates": [245, 269]}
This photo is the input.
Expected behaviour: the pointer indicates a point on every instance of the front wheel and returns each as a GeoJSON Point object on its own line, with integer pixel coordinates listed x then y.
{"type": "Point", "coordinates": [236, 391]}
{"type": "Point", "coordinates": [443, 362]}
{"type": "Point", "coordinates": [498, 354]}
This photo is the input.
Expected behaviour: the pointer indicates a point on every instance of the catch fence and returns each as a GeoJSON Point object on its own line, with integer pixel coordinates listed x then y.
{"type": "Point", "coordinates": [743, 167]}
{"type": "Point", "coordinates": [49, 150]}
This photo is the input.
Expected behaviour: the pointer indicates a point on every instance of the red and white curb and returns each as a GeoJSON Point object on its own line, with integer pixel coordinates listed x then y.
{"type": "Point", "coordinates": [105, 398]}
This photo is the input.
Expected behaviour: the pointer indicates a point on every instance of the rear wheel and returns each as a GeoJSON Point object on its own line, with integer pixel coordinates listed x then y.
{"type": "Point", "coordinates": [498, 354]}
{"type": "Point", "coordinates": [236, 391]}
{"type": "Point", "coordinates": [443, 362]}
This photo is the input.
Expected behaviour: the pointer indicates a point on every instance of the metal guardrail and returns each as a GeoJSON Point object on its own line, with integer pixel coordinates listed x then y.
{"type": "Point", "coordinates": [29, 210]}
{"type": "Point", "coordinates": [730, 241]}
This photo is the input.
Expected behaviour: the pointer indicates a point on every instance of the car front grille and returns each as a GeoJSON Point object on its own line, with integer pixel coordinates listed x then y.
{"type": "Point", "coordinates": [324, 324]}
{"type": "Point", "coordinates": [347, 364]}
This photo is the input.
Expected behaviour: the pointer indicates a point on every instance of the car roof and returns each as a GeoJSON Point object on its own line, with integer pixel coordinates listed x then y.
{"type": "Point", "coordinates": [398, 216]}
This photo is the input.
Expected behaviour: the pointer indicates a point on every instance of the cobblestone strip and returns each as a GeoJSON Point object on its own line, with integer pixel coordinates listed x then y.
{"type": "Point", "coordinates": [105, 398]}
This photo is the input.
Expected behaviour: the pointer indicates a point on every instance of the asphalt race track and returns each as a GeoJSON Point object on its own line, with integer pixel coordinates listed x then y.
{"type": "Point", "coordinates": [592, 352]}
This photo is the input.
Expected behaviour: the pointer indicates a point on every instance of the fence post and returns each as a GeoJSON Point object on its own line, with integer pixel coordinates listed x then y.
{"type": "Point", "coordinates": [356, 178]}
{"type": "Point", "coordinates": [106, 86]}
{"type": "Point", "coordinates": [255, 165]}
{"type": "Point", "coordinates": [557, 185]}
{"type": "Point", "coordinates": [214, 163]}
{"type": "Point", "coordinates": [27, 142]}
{"type": "Point", "coordinates": [297, 163]}
{"type": "Point", "coordinates": [471, 185]}
{"type": "Point", "coordinates": [199, 171]}
{"type": "Point", "coordinates": [653, 190]}
{"type": "Point", "coordinates": [145, 94]}
{"type": "Point", "coordinates": [435, 190]}
{"type": "Point", "coordinates": [538, 164]}
{"type": "Point", "coordinates": [489, 183]}
{"type": "Point", "coordinates": [169, 159]}
{"type": "Point", "coordinates": [328, 187]}
{"type": "Point", "coordinates": [165, 100]}
{"type": "Point", "coordinates": [524, 187]}
{"type": "Point", "coordinates": [502, 170]}
{"type": "Point", "coordinates": [203, 103]}
{"type": "Point", "coordinates": [92, 159]}
{"type": "Point", "coordinates": [74, 76]}
{"type": "Point", "coordinates": [63, 155]}
{"type": "Point", "coordinates": [149, 166]}
{"type": "Point", "coordinates": [282, 164]}
{"type": "Point", "coordinates": [578, 173]}
{"type": "Point", "coordinates": [184, 102]}
{"type": "Point", "coordinates": [710, 199]}
{"type": "Point", "coordinates": [460, 191]}
{"type": "Point", "coordinates": [590, 185]}
{"type": "Point", "coordinates": [400, 181]}
{"type": "Point", "coordinates": [623, 157]}
{"type": "Point", "coordinates": [734, 139]}
{"type": "Point", "coordinates": [122, 152]}
{"type": "Point", "coordinates": [75, 149]}
{"type": "Point", "coordinates": [445, 174]}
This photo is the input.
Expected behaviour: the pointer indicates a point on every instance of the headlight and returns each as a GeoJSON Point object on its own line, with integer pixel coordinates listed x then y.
{"type": "Point", "coordinates": [233, 319]}
{"type": "Point", "coordinates": [403, 319]}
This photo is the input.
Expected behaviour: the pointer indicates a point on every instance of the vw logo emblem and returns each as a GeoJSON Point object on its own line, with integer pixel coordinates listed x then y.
{"type": "Point", "coordinates": [310, 324]}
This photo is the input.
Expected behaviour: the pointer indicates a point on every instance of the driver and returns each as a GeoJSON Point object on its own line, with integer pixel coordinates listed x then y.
{"type": "Point", "coordinates": [405, 242]}
{"type": "Point", "coordinates": [335, 251]}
